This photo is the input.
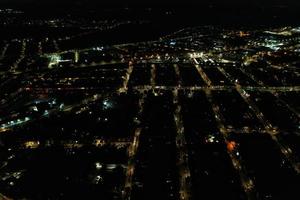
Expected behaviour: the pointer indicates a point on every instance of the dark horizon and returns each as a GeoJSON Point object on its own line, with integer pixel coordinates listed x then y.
{"type": "Point", "coordinates": [190, 13]}
{"type": "Point", "coordinates": [155, 3]}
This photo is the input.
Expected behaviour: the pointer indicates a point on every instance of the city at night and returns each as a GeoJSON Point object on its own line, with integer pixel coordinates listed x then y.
{"type": "Point", "coordinates": [152, 100]}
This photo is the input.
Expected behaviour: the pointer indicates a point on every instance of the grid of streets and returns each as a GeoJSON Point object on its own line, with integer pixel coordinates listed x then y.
{"type": "Point", "coordinates": [199, 114]}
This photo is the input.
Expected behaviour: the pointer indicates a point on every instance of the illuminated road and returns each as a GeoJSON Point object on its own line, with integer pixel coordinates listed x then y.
{"type": "Point", "coordinates": [153, 61]}
{"type": "Point", "coordinates": [224, 88]}
{"type": "Point", "coordinates": [153, 75]}
{"type": "Point", "coordinates": [203, 75]}
{"type": "Point", "coordinates": [247, 183]}
{"type": "Point", "coordinates": [177, 72]}
{"type": "Point", "coordinates": [132, 150]}
{"type": "Point", "coordinates": [183, 166]}
{"type": "Point", "coordinates": [124, 87]}
{"type": "Point", "coordinates": [2, 197]}
{"type": "Point", "coordinates": [267, 125]}
{"type": "Point", "coordinates": [4, 51]}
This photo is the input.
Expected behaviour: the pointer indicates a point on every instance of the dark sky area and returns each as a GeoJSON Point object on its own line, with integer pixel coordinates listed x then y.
{"type": "Point", "coordinates": [157, 2]}
{"type": "Point", "coordinates": [231, 11]}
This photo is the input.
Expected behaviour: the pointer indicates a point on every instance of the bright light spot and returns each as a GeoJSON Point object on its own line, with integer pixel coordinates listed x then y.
{"type": "Point", "coordinates": [211, 139]}
{"type": "Point", "coordinates": [172, 43]}
{"type": "Point", "coordinates": [231, 145]}
{"type": "Point", "coordinates": [107, 104]}
{"type": "Point", "coordinates": [32, 144]}
{"type": "Point", "coordinates": [46, 112]}
{"type": "Point", "coordinates": [97, 179]}
{"type": "Point", "coordinates": [98, 165]}
{"type": "Point", "coordinates": [111, 166]}
{"type": "Point", "coordinates": [35, 109]}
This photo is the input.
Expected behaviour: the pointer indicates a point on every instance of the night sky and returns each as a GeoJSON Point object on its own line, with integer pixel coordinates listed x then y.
{"type": "Point", "coordinates": [225, 11]}
{"type": "Point", "coordinates": [145, 2]}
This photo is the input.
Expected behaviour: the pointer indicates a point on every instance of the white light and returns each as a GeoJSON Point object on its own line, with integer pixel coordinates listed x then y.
{"type": "Point", "coordinates": [35, 108]}
{"type": "Point", "coordinates": [111, 166]}
{"type": "Point", "coordinates": [98, 165]}
{"type": "Point", "coordinates": [107, 104]}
